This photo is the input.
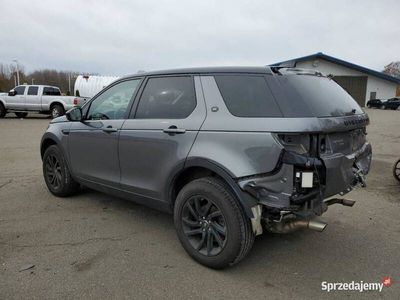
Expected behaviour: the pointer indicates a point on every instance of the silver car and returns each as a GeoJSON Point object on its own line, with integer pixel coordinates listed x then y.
{"type": "Point", "coordinates": [231, 151]}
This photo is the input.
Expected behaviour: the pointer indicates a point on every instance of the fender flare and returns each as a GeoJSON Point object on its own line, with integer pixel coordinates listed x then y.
{"type": "Point", "coordinates": [245, 200]}
{"type": "Point", "coordinates": [56, 140]}
{"type": "Point", "coordinates": [58, 101]}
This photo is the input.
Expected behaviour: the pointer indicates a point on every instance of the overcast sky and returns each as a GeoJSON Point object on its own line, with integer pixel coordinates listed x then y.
{"type": "Point", "coordinates": [122, 37]}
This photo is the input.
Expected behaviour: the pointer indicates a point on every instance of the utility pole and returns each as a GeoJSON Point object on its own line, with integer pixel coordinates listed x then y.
{"type": "Point", "coordinates": [16, 63]}
{"type": "Point", "coordinates": [32, 80]}
{"type": "Point", "coordinates": [69, 83]}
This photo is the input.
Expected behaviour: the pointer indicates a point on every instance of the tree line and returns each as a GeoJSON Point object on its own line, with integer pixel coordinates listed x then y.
{"type": "Point", "coordinates": [63, 79]}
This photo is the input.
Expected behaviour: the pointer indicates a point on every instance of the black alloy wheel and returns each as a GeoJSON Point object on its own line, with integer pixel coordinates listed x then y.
{"type": "Point", "coordinates": [56, 173]}
{"type": "Point", "coordinates": [204, 225]}
{"type": "Point", "coordinates": [210, 223]}
{"type": "Point", "coordinates": [53, 171]}
{"type": "Point", "coordinates": [396, 170]}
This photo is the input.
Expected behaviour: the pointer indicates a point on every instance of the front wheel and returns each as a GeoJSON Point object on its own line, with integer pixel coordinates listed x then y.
{"type": "Point", "coordinates": [57, 110]}
{"type": "Point", "coordinates": [211, 225]}
{"type": "Point", "coordinates": [56, 173]}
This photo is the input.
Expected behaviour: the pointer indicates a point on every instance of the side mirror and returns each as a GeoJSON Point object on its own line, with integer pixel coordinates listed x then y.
{"type": "Point", "coordinates": [74, 114]}
{"type": "Point", "coordinates": [12, 93]}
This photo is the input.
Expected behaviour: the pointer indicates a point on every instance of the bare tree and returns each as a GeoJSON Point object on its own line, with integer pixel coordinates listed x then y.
{"type": "Point", "coordinates": [393, 69]}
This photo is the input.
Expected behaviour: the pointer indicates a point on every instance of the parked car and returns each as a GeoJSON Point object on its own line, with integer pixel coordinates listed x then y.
{"type": "Point", "coordinates": [377, 103]}
{"type": "Point", "coordinates": [392, 103]}
{"type": "Point", "coordinates": [231, 152]}
{"type": "Point", "coordinates": [37, 98]}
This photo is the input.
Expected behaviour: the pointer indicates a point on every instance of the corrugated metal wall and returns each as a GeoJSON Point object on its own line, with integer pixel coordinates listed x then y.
{"type": "Point", "coordinates": [88, 86]}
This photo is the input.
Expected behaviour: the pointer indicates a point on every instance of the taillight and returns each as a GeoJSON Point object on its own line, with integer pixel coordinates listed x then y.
{"type": "Point", "coordinates": [76, 101]}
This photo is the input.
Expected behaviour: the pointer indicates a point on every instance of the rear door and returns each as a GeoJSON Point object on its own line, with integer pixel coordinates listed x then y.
{"type": "Point", "coordinates": [157, 137]}
{"type": "Point", "coordinates": [93, 143]}
{"type": "Point", "coordinates": [33, 100]}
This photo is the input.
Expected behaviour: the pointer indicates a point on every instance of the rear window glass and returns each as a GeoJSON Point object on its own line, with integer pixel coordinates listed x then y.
{"type": "Point", "coordinates": [247, 96]}
{"type": "Point", "coordinates": [313, 96]}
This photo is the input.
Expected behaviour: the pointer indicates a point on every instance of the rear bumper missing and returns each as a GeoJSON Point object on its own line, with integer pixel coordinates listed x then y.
{"type": "Point", "coordinates": [282, 189]}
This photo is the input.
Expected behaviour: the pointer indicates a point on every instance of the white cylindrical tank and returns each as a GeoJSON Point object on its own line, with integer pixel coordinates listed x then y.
{"type": "Point", "coordinates": [90, 85]}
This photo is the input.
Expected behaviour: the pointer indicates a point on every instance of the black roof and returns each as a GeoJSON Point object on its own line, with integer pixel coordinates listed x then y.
{"type": "Point", "coordinates": [292, 63]}
{"type": "Point", "coordinates": [205, 70]}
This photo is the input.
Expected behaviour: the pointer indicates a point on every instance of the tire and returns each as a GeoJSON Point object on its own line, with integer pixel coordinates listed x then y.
{"type": "Point", "coordinates": [204, 209]}
{"type": "Point", "coordinates": [3, 111]}
{"type": "Point", "coordinates": [56, 110]}
{"type": "Point", "coordinates": [396, 170]}
{"type": "Point", "coordinates": [21, 114]}
{"type": "Point", "coordinates": [56, 173]}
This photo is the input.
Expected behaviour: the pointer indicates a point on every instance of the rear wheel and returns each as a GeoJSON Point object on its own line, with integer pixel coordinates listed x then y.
{"type": "Point", "coordinates": [3, 111]}
{"type": "Point", "coordinates": [396, 170]}
{"type": "Point", "coordinates": [57, 110]}
{"type": "Point", "coordinates": [56, 173]}
{"type": "Point", "coordinates": [211, 225]}
{"type": "Point", "coordinates": [21, 114]}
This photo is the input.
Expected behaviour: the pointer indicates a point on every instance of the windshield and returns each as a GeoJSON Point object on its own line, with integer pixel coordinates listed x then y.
{"type": "Point", "coordinates": [315, 96]}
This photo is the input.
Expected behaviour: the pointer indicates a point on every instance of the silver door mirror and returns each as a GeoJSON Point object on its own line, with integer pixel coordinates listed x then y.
{"type": "Point", "coordinates": [12, 93]}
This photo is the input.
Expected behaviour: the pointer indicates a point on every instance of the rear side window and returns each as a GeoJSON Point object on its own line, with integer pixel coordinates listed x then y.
{"type": "Point", "coordinates": [50, 91]}
{"type": "Point", "coordinates": [33, 90]}
{"type": "Point", "coordinates": [167, 98]}
{"type": "Point", "coordinates": [247, 96]}
{"type": "Point", "coordinates": [20, 90]}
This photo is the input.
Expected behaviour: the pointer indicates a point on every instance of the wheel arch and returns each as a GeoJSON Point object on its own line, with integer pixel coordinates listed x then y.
{"type": "Point", "coordinates": [195, 168]}
{"type": "Point", "coordinates": [47, 141]}
{"type": "Point", "coordinates": [56, 102]}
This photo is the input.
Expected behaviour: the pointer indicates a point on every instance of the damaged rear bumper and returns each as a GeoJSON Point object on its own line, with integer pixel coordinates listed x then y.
{"type": "Point", "coordinates": [283, 190]}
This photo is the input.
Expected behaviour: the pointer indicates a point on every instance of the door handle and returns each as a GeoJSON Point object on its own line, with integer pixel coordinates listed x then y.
{"type": "Point", "coordinates": [110, 129]}
{"type": "Point", "coordinates": [174, 130]}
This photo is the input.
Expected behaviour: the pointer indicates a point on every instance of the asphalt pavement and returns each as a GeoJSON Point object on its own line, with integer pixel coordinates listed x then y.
{"type": "Point", "coordinates": [94, 246]}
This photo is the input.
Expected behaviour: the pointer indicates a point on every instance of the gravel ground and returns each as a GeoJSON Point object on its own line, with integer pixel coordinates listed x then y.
{"type": "Point", "coordinates": [96, 246]}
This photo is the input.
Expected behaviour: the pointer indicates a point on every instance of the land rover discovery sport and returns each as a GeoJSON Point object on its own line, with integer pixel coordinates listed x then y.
{"type": "Point", "coordinates": [230, 151]}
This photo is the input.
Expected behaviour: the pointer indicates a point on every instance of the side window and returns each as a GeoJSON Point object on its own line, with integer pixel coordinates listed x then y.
{"type": "Point", "coordinates": [46, 91]}
{"type": "Point", "coordinates": [167, 98]}
{"type": "Point", "coordinates": [56, 92]}
{"type": "Point", "coordinates": [33, 90]}
{"type": "Point", "coordinates": [50, 91]}
{"type": "Point", "coordinates": [247, 96]}
{"type": "Point", "coordinates": [113, 103]}
{"type": "Point", "coordinates": [20, 90]}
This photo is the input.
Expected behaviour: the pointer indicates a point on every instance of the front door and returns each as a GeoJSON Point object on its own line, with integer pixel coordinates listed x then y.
{"type": "Point", "coordinates": [93, 143]}
{"type": "Point", "coordinates": [17, 102]}
{"type": "Point", "coordinates": [157, 137]}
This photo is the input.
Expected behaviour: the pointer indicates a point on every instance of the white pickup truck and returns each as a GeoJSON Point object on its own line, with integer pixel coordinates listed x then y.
{"type": "Point", "coordinates": [37, 98]}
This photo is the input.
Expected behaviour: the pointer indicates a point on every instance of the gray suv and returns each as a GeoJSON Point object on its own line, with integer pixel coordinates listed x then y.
{"type": "Point", "coordinates": [231, 151]}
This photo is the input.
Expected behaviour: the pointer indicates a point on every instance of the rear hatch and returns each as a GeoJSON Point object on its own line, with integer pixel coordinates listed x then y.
{"type": "Point", "coordinates": [342, 144]}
